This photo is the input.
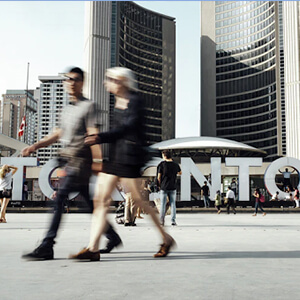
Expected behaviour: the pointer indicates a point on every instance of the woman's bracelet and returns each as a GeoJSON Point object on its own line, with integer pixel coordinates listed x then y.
{"type": "Point", "coordinates": [97, 160]}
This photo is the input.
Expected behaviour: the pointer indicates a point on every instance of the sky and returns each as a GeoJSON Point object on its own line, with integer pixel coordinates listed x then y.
{"type": "Point", "coordinates": [49, 35]}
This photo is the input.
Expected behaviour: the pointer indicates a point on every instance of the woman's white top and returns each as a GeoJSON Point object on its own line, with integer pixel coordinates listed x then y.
{"type": "Point", "coordinates": [5, 183]}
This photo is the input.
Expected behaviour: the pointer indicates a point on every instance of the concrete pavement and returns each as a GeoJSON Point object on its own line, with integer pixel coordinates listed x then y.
{"type": "Point", "coordinates": [226, 257]}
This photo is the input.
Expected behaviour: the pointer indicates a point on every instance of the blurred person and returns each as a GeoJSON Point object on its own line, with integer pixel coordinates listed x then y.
{"type": "Point", "coordinates": [275, 197]}
{"type": "Point", "coordinates": [205, 194]}
{"type": "Point", "coordinates": [77, 119]}
{"type": "Point", "coordinates": [218, 202]}
{"type": "Point", "coordinates": [25, 191]}
{"type": "Point", "coordinates": [296, 197]}
{"type": "Point", "coordinates": [130, 210]}
{"type": "Point", "coordinates": [234, 187]}
{"type": "Point", "coordinates": [230, 200]}
{"type": "Point", "coordinates": [167, 172]}
{"type": "Point", "coordinates": [6, 174]}
{"type": "Point", "coordinates": [126, 140]}
{"type": "Point", "coordinates": [286, 177]}
{"type": "Point", "coordinates": [259, 199]}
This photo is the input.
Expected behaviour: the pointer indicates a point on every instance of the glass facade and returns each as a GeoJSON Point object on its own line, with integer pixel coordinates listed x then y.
{"type": "Point", "coordinates": [246, 78]}
{"type": "Point", "coordinates": [140, 48]}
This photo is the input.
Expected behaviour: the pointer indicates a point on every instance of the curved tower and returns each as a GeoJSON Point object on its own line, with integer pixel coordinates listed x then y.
{"type": "Point", "coordinates": [122, 33]}
{"type": "Point", "coordinates": [249, 75]}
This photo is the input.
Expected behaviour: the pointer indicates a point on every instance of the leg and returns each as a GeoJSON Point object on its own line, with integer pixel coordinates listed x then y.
{"type": "Point", "coordinates": [261, 208]}
{"type": "Point", "coordinates": [114, 239]}
{"type": "Point", "coordinates": [207, 204]}
{"type": "Point", "coordinates": [256, 208]}
{"type": "Point", "coordinates": [133, 207]}
{"type": "Point", "coordinates": [228, 206]}
{"type": "Point", "coordinates": [163, 201]}
{"type": "Point", "coordinates": [134, 184]}
{"type": "Point", "coordinates": [233, 206]}
{"type": "Point", "coordinates": [127, 211]}
{"type": "Point", "coordinates": [4, 203]}
{"type": "Point", "coordinates": [62, 194]}
{"type": "Point", "coordinates": [172, 200]}
{"type": "Point", "coordinates": [105, 186]}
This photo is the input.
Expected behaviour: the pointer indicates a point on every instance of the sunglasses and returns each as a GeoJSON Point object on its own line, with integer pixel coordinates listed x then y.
{"type": "Point", "coordinates": [73, 79]}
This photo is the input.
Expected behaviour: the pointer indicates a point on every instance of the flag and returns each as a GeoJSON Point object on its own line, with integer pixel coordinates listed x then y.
{"type": "Point", "coordinates": [22, 127]}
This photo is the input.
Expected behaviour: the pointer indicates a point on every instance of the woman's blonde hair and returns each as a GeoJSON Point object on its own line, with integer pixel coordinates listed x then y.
{"type": "Point", "coordinates": [3, 171]}
{"type": "Point", "coordinates": [129, 78]}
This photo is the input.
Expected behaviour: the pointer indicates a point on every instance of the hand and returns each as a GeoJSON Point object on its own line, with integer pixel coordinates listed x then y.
{"type": "Point", "coordinates": [53, 196]}
{"type": "Point", "coordinates": [91, 140]}
{"type": "Point", "coordinates": [27, 151]}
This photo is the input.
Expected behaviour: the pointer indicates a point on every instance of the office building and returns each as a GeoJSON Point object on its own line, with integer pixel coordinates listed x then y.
{"type": "Point", "coordinates": [53, 99]}
{"type": "Point", "coordinates": [122, 33]}
{"type": "Point", "coordinates": [242, 73]}
{"type": "Point", "coordinates": [15, 105]}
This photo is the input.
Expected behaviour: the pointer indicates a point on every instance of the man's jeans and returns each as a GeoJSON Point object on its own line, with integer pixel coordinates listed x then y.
{"type": "Point", "coordinates": [70, 184]}
{"type": "Point", "coordinates": [206, 201]}
{"type": "Point", "coordinates": [171, 194]}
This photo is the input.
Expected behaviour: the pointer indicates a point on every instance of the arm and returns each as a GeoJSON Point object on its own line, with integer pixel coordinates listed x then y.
{"type": "Point", "coordinates": [15, 169]}
{"type": "Point", "coordinates": [96, 151]}
{"type": "Point", "coordinates": [130, 125]}
{"type": "Point", "coordinates": [279, 171]}
{"type": "Point", "coordinates": [159, 178]}
{"type": "Point", "coordinates": [44, 142]}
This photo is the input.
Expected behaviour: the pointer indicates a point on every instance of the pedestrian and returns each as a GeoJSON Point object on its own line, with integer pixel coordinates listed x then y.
{"type": "Point", "coordinates": [234, 187]}
{"type": "Point", "coordinates": [130, 210]}
{"type": "Point", "coordinates": [286, 177]}
{"type": "Point", "coordinates": [205, 194]}
{"type": "Point", "coordinates": [275, 197]}
{"type": "Point", "coordinates": [296, 197]}
{"type": "Point", "coordinates": [77, 120]}
{"type": "Point", "coordinates": [218, 202]}
{"type": "Point", "coordinates": [25, 191]}
{"type": "Point", "coordinates": [167, 172]}
{"type": "Point", "coordinates": [230, 198]}
{"type": "Point", "coordinates": [126, 140]}
{"type": "Point", "coordinates": [6, 174]}
{"type": "Point", "coordinates": [259, 199]}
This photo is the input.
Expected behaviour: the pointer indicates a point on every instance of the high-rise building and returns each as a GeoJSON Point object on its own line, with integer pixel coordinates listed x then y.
{"type": "Point", "coordinates": [122, 33]}
{"type": "Point", "coordinates": [53, 99]}
{"type": "Point", "coordinates": [242, 73]}
{"type": "Point", "coordinates": [291, 22]}
{"type": "Point", "coordinates": [15, 105]}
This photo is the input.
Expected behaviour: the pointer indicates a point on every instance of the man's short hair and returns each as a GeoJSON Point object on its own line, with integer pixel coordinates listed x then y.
{"type": "Point", "coordinates": [77, 71]}
{"type": "Point", "coordinates": [167, 154]}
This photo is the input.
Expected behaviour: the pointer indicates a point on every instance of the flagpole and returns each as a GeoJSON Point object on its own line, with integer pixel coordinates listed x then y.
{"type": "Point", "coordinates": [26, 100]}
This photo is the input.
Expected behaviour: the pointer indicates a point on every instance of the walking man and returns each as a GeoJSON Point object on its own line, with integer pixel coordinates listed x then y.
{"type": "Point", "coordinates": [77, 120]}
{"type": "Point", "coordinates": [167, 174]}
{"type": "Point", "coordinates": [230, 197]}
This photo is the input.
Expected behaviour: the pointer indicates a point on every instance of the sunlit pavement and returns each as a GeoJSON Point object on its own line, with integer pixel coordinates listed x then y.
{"type": "Point", "coordinates": [217, 257]}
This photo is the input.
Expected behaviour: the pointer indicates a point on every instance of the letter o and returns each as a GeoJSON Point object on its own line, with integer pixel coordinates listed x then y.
{"type": "Point", "coordinates": [45, 179]}
{"type": "Point", "coordinates": [271, 172]}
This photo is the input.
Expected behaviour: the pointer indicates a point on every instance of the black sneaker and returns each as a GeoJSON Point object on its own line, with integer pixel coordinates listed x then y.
{"type": "Point", "coordinates": [40, 253]}
{"type": "Point", "coordinates": [116, 242]}
{"type": "Point", "coordinates": [174, 224]}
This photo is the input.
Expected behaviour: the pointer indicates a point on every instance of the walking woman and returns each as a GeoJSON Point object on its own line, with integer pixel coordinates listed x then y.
{"type": "Point", "coordinates": [6, 173]}
{"type": "Point", "coordinates": [127, 156]}
{"type": "Point", "coordinates": [258, 202]}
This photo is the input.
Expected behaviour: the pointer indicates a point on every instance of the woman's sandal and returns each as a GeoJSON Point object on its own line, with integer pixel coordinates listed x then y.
{"type": "Point", "coordinates": [3, 220]}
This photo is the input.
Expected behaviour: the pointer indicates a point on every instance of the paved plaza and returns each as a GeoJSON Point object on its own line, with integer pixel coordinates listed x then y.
{"type": "Point", "coordinates": [221, 257]}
